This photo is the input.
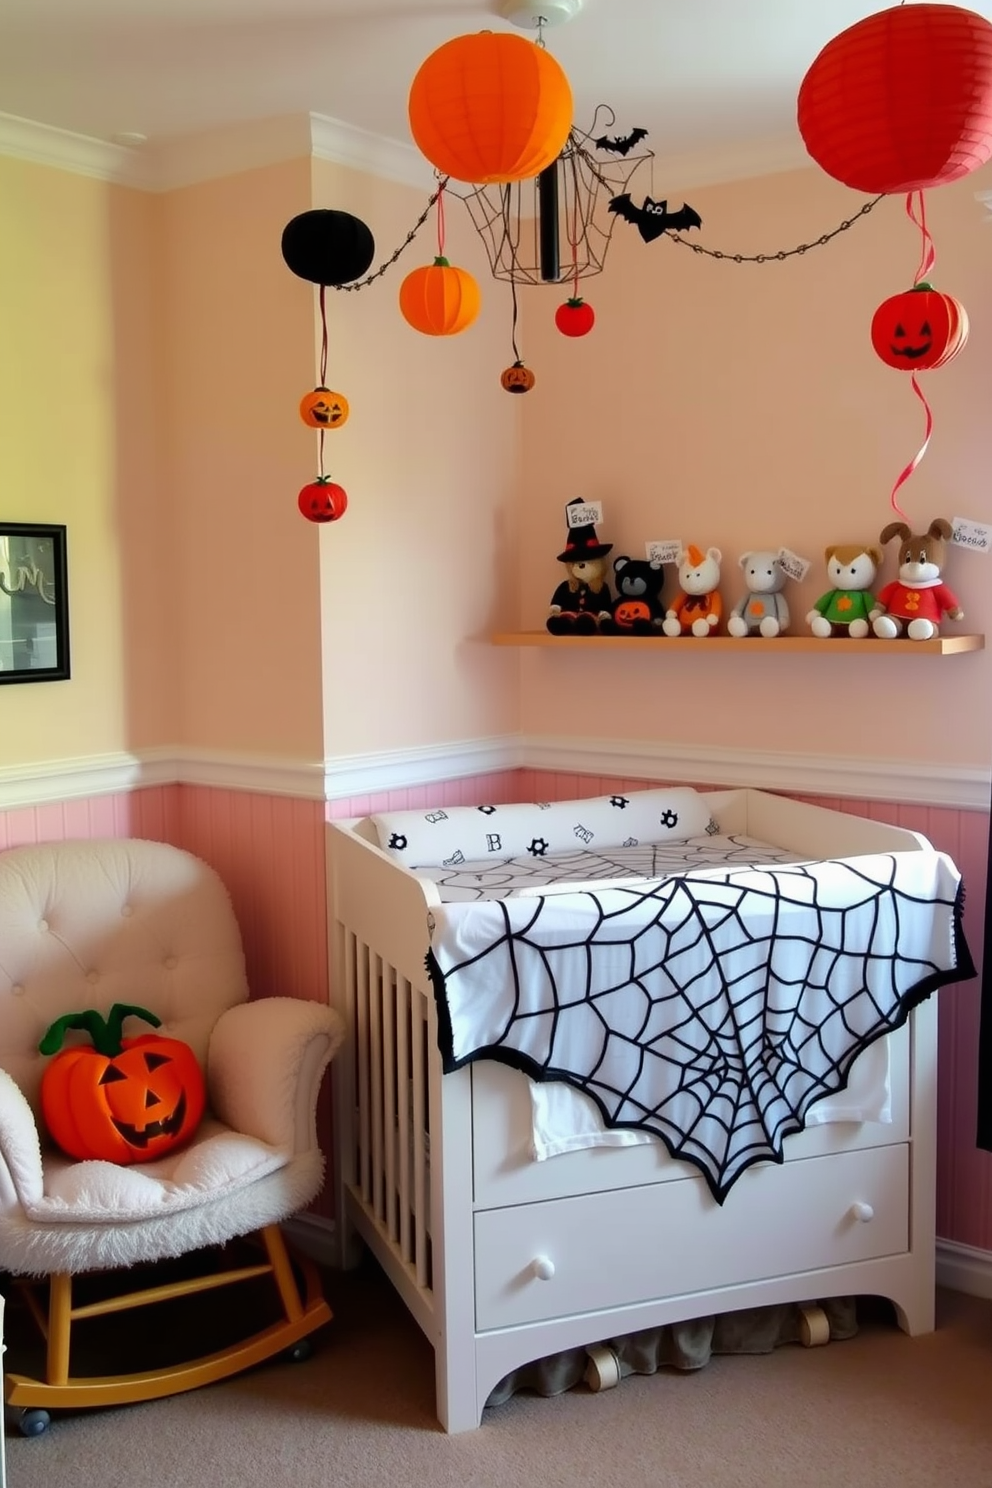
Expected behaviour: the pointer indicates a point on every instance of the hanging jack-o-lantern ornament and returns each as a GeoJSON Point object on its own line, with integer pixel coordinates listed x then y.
{"type": "Point", "coordinates": [122, 1100]}
{"type": "Point", "coordinates": [324, 409]}
{"type": "Point", "coordinates": [902, 100]}
{"type": "Point", "coordinates": [919, 329]}
{"type": "Point", "coordinates": [575, 317]}
{"type": "Point", "coordinates": [327, 247]}
{"type": "Point", "coordinates": [439, 299]}
{"type": "Point", "coordinates": [517, 379]}
{"type": "Point", "coordinates": [323, 500]}
{"type": "Point", "coordinates": [490, 107]}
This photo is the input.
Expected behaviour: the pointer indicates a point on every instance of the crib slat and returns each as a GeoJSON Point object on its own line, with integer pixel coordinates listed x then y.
{"type": "Point", "coordinates": [364, 1055]}
{"type": "Point", "coordinates": [375, 1033]}
{"type": "Point", "coordinates": [420, 1138]}
{"type": "Point", "coordinates": [386, 990]}
{"type": "Point", "coordinates": [403, 1099]}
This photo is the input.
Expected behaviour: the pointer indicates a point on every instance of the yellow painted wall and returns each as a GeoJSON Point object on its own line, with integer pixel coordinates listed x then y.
{"type": "Point", "coordinates": [80, 445]}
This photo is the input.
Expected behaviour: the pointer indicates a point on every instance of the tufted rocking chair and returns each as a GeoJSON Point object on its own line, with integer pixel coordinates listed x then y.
{"type": "Point", "coordinates": [90, 924]}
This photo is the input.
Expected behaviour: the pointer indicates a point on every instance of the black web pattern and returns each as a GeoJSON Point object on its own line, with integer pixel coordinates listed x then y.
{"type": "Point", "coordinates": [637, 860]}
{"type": "Point", "coordinates": [711, 1009]}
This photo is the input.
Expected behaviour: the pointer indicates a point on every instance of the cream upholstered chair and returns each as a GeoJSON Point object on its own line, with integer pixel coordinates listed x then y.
{"type": "Point", "coordinates": [87, 924]}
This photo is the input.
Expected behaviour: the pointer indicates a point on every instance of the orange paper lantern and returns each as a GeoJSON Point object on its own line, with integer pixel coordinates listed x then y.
{"type": "Point", "coordinates": [902, 100]}
{"type": "Point", "coordinates": [439, 299]}
{"type": "Point", "coordinates": [490, 107]}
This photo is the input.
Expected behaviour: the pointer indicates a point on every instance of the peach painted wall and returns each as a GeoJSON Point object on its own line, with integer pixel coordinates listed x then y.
{"type": "Point", "coordinates": [742, 406]}
{"type": "Point", "coordinates": [80, 444]}
{"type": "Point", "coordinates": [243, 604]}
{"type": "Point", "coordinates": [413, 576]}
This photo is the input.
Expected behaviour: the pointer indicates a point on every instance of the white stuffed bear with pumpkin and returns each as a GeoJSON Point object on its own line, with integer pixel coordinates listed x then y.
{"type": "Point", "coordinates": [697, 608]}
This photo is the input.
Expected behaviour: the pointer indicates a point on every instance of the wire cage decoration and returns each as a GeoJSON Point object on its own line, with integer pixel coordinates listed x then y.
{"type": "Point", "coordinates": [558, 225]}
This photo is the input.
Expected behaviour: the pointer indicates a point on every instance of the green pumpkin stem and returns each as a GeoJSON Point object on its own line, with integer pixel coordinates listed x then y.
{"type": "Point", "coordinates": [105, 1033]}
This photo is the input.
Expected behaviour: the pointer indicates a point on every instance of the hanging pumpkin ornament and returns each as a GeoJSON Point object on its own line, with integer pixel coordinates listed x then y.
{"type": "Point", "coordinates": [902, 100]}
{"type": "Point", "coordinates": [517, 379]}
{"type": "Point", "coordinates": [324, 409]}
{"type": "Point", "coordinates": [439, 299]}
{"type": "Point", "coordinates": [327, 247]}
{"type": "Point", "coordinates": [323, 500]}
{"type": "Point", "coordinates": [490, 107]}
{"type": "Point", "coordinates": [575, 317]}
{"type": "Point", "coordinates": [919, 329]}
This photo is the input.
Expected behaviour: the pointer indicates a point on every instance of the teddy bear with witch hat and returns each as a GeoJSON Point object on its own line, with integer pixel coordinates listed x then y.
{"type": "Point", "coordinates": [582, 601]}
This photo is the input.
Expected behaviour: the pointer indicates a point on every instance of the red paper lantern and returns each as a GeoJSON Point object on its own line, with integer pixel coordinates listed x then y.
{"type": "Point", "coordinates": [919, 329]}
{"type": "Point", "coordinates": [439, 299]}
{"type": "Point", "coordinates": [490, 107]}
{"type": "Point", "coordinates": [902, 100]}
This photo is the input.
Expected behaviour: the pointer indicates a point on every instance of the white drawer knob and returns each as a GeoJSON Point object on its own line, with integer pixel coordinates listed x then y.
{"type": "Point", "coordinates": [862, 1211]}
{"type": "Point", "coordinates": [543, 1267]}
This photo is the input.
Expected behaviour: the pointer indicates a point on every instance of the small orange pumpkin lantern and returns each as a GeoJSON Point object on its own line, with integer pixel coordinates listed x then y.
{"type": "Point", "coordinates": [919, 329]}
{"type": "Point", "coordinates": [123, 1100]}
{"type": "Point", "coordinates": [517, 379]}
{"type": "Point", "coordinates": [439, 299]}
{"type": "Point", "coordinates": [490, 107]}
{"type": "Point", "coordinates": [324, 409]}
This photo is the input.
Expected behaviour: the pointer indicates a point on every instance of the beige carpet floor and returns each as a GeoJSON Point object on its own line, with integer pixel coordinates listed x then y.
{"type": "Point", "coordinates": [876, 1411]}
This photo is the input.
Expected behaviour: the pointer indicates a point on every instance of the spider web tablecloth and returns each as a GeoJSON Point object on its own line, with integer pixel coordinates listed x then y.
{"type": "Point", "coordinates": [711, 1008]}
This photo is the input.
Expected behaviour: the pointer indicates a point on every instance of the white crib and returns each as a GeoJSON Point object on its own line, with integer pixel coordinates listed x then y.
{"type": "Point", "coordinates": [503, 1260]}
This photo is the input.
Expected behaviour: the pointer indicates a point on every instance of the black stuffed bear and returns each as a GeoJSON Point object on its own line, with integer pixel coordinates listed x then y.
{"type": "Point", "coordinates": [637, 608]}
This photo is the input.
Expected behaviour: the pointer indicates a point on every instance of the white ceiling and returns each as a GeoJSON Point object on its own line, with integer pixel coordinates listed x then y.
{"type": "Point", "coordinates": [702, 76]}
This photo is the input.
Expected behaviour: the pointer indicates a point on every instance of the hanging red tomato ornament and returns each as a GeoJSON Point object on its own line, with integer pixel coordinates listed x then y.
{"type": "Point", "coordinates": [439, 299]}
{"type": "Point", "coordinates": [575, 317]}
{"type": "Point", "coordinates": [323, 500]}
{"type": "Point", "coordinates": [902, 100]}
{"type": "Point", "coordinates": [490, 107]}
{"type": "Point", "coordinates": [324, 409]}
{"type": "Point", "coordinates": [919, 329]}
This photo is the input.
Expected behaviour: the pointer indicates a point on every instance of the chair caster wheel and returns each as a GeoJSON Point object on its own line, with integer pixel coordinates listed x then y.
{"type": "Point", "coordinates": [301, 1350]}
{"type": "Point", "coordinates": [34, 1421]}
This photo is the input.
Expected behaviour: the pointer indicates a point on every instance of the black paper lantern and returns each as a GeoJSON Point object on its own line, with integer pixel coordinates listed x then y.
{"type": "Point", "coordinates": [327, 247]}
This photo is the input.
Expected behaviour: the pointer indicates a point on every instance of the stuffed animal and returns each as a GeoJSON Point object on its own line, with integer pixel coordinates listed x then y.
{"type": "Point", "coordinates": [762, 610]}
{"type": "Point", "coordinates": [698, 606]}
{"type": "Point", "coordinates": [582, 601]}
{"type": "Point", "coordinates": [847, 608]}
{"type": "Point", "coordinates": [918, 599]}
{"type": "Point", "coordinates": [638, 607]}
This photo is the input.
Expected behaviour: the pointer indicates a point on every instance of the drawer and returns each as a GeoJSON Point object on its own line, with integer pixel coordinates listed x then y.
{"type": "Point", "coordinates": [505, 1172]}
{"type": "Point", "coordinates": [665, 1239]}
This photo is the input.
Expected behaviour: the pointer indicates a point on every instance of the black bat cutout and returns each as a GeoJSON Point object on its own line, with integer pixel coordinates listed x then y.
{"type": "Point", "coordinates": [622, 144]}
{"type": "Point", "coordinates": [653, 218]}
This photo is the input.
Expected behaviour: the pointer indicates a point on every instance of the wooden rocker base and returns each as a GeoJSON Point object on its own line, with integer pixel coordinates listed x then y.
{"type": "Point", "coordinates": [301, 1315]}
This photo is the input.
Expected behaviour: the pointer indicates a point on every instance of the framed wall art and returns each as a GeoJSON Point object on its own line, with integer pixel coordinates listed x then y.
{"type": "Point", "coordinates": [34, 603]}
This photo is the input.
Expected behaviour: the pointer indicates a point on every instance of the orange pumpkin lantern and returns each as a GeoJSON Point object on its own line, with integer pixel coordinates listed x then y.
{"type": "Point", "coordinates": [490, 107]}
{"type": "Point", "coordinates": [517, 379]}
{"type": "Point", "coordinates": [123, 1100]}
{"type": "Point", "coordinates": [439, 299]}
{"type": "Point", "coordinates": [324, 409]}
{"type": "Point", "coordinates": [919, 329]}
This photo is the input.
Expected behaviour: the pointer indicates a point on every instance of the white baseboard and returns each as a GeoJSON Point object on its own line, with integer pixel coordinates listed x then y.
{"type": "Point", "coordinates": [314, 1237]}
{"type": "Point", "coordinates": [962, 1268]}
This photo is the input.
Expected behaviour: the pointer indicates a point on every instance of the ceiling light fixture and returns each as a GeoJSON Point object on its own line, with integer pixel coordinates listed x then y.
{"type": "Point", "coordinates": [531, 16]}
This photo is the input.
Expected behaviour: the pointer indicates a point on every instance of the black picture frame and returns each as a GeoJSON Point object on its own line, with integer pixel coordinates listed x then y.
{"type": "Point", "coordinates": [34, 603]}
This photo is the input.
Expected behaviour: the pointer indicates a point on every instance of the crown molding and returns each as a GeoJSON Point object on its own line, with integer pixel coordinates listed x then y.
{"type": "Point", "coordinates": [189, 159]}
{"type": "Point", "coordinates": [349, 777]}
{"type": "Point", "coordinates": [24, 139]}
{"type": "Point", "coordinates": [744, 161]}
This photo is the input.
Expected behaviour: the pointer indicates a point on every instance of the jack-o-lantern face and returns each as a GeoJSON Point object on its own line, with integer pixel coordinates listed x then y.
{"type": "Point", "coordinates": [323, 500]}
{"type": "Point", "coordinates": [324, 409]}
{"type": "Point", "coordinates": [517, 379]}
{"type": "Point", "coordinates": [919, 329]}
{"type": "Point", "coordinates": [629, 611]}
{"type": "Point", "coordinates": [122, 1100]}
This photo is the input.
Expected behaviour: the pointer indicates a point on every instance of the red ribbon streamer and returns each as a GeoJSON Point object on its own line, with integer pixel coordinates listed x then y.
{"type": "Point", "coordinates": [928, 253]}
{"type": "Point", "coordinates": [905, 474]}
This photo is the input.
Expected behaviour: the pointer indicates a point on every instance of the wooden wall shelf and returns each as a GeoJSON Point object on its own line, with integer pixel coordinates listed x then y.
{"type": "Point", "coordinates": [947, 645]}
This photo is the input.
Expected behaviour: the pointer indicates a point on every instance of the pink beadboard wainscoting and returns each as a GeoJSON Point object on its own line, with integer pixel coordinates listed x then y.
{"type": "Point", "coordinates": [270, 852]}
